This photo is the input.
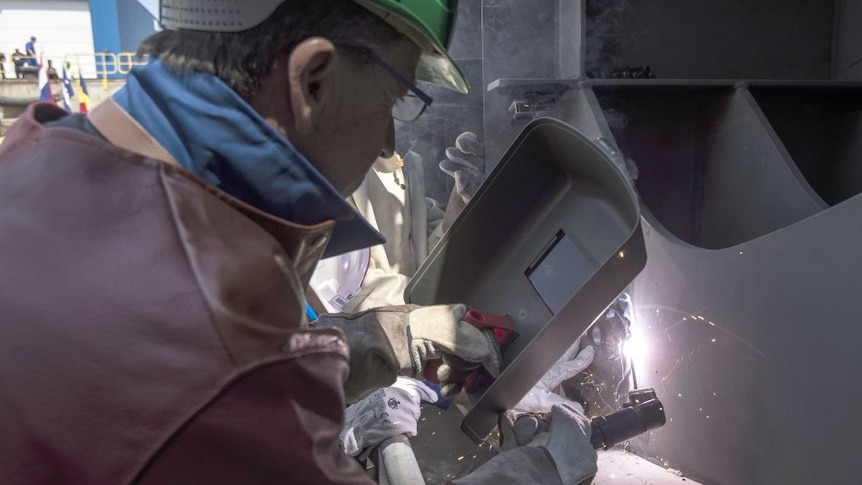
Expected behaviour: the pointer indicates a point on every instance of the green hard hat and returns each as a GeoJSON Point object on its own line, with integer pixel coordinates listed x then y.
{"type": "Point", "coordinates": [428, 23]}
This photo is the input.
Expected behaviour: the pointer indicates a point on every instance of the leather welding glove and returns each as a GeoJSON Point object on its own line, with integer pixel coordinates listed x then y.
{"type": "Point", "coordinates": [401, 340]}
{"type": "Point", "coordinates": [386, 413]}
{"type": "Point", "coordinates": [566, 437]}
{"type": "Point", "coordinates": [551, 448]}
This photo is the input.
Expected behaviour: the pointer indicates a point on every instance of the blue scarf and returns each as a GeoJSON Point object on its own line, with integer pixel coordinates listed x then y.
{"type": "Point", "coordinates": [215, 134]}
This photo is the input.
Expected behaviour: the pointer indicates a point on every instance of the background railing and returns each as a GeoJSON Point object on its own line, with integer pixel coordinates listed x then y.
{"type": "Point", "coordinates": [89, 65]}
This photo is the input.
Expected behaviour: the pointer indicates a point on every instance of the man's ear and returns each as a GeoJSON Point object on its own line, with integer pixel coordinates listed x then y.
{"type": "Point", "coordinates": [310, 80]}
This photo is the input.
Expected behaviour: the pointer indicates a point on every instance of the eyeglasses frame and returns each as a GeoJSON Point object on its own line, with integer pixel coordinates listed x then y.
{"type": "Point", "coordinates": [425, 98]}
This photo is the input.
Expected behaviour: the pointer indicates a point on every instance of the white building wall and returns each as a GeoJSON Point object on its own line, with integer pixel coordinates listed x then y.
{"type": "Point", "coordinates": [62, 27]}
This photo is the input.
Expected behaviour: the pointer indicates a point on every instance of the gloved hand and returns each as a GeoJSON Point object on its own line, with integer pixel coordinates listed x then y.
{"type": "Point", "coordinates": [545, 418]}
{"type": "Point", "coordinates": [388, 412]}
{"type": "Point", "coordinates": [465, 162]}
{"type": "Point", "coordinates": [437, 332]}
{"type": "Point", "coordinates": [564, 434]}
{"type": "Point", "coordinates": [544, 448]}
{"type": "Point", "coordinates": [403, 339]}
{"type": "Point", "coordinates": [546, 393]}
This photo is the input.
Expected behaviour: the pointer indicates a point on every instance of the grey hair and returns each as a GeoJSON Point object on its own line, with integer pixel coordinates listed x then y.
{"type": "Point", "coordinates": [243, 59]}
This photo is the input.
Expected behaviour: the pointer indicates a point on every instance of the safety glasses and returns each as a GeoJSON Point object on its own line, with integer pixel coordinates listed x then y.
{"type": "Point", "coordinates": [407, 107]}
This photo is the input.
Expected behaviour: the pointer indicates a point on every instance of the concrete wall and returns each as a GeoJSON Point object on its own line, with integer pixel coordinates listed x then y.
{"type": "Point", "coordinates": [29, 90]}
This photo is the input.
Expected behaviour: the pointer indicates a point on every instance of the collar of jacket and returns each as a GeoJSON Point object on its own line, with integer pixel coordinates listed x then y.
{"type": "Point", "coordinates": [216, 135]}
{"type": "Point", "coordinates": [302, 244]}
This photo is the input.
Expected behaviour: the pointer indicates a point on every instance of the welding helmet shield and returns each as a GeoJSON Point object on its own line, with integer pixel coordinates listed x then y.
{"type": "Point", "coordinates": [428, 23]}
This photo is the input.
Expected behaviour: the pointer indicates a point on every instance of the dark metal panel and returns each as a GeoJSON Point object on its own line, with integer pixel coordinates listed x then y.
{"type": "Point", "coordinates": [709, 169]}
{"type": "Point", "coordinates": [821, 128]}
{"type": "Point", "coordinates": [847, 49]}
{"type": "Point", "coordinates": [712, 39]}
{"type": "Point", "coordinates": [753, 351]}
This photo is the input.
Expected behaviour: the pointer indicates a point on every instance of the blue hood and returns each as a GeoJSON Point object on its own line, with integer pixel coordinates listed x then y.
{"type": "Point", "coordinates": [216, 135]}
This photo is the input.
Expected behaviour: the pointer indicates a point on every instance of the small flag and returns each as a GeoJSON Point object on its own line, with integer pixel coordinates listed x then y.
{"type": "Point", "coordinates": [68, 92]}
{"type": "Point", "coordinates": [84, 97]}
{"type": "Point", "coordinates": [45, 93]}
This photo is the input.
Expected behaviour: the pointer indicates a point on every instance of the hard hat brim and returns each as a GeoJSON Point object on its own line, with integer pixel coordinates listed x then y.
{"type": "Point", "coordinates": [439, 69]}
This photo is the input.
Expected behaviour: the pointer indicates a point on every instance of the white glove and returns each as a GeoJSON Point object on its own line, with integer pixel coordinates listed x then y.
{"type": "Point", "coordinates": [546, 393]}
{"type": "Point", "coordinates": [387, 412]}
{"type": "Point", "coordinates": [465, 162]}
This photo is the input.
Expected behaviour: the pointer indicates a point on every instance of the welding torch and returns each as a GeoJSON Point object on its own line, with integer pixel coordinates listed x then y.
{"type": "Point", "coordinates": [642, 413]}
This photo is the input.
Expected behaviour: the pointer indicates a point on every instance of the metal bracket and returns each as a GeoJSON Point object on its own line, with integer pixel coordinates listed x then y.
{"type": "Point", "coordinates": [531, 98]}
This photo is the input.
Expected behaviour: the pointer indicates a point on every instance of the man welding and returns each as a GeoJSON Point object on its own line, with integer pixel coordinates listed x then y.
{"type": "Point", "coordinates": [156, 254]}
{"type": "Point", "coordinates": [392, 199]}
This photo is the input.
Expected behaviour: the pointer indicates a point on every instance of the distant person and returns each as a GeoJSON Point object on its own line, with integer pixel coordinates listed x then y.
{"type": "Point", "coordinates": [2, 65]}
{"type": "Point", "coordinates": [18, 60]}
{"type": "Point", "coordinates": [30, 51]}
{"type": "Point", "coordinates": [52, 71]}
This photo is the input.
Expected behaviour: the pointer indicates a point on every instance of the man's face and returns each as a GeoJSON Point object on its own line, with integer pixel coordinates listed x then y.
{"type": "Point", "coordinates": [356, 125]}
